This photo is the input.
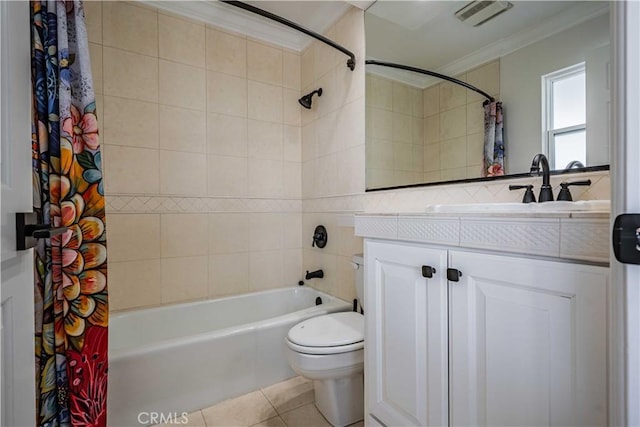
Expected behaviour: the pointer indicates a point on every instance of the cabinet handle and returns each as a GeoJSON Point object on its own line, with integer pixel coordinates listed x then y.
{"type": "Point", "coordinates": [453, 275]}
{"type": "Point", "coordinates": [428, 271]}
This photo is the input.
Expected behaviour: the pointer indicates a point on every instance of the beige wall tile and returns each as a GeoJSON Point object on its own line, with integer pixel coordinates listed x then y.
{"type": "Point", "coordinates": [181, 40]}
{"type": "Point", "coordinates": [228, 274]}
{"type": "Point", "coordinates": [453, 174]}
{"type": "Point", "coordinates": [183, 174]}
{"type": "Point", "coordinates": [266, 102]}
{"type": "Point", "coordinates": [307, 66]}
{"type": "Point", "coordinates": [129, 122]}
{"type": "Point", "coordinates": [226, 53]}
{"type": "Point", "coordinates": [432, 158]}
{"type": "Point", "coordinates": [431, 100]}
{"type": "Point", "coordinates": [451, 96]}
{"type": "Point", "coordinates": [402, 126]}
{"type": "Point", "coordinates": [95, 53]}
{"type": "Point", "coordinates": [134, 284]}
{"type": "Point", "coordinates": [266, 270]}
{"type": "Point", "coordinates": [133, 237]}
{"type": "Point", "coordinates": [292, 109]}
{"type": "Point", "coordinates": [265, 178]}
{"type": "Point", "coordinates": [402, 156]}
{"type": "Point", "coordinates": [432, 129]}
{"type": "Point", "coordinates": [486, 78]}
{"type": "Point", "coordinates": [346, 280]}
{"type": "Point", "coordinates": [264, 63]}
{"type": "Point", "coordinates": [308, 135]}
{"type": "Point", "coordinates": [292, 179]}
{"type": "Point", "coordinates": [130, 75]}
{"type": "Point", "coordinates": [182, 129]}
{"type": "Point", "coordinates": [381, 154]}
{"type": "Point", "coordinates": [292, 266]}
{"type": "Point", "coordinates": [130, 170]}
{"type": "Point", "coordinates": [350, 168]}
{"type": "Point", "coordinates": [382, 124]}
{"type": "Point", "coordinates": [453, 123]}
{"type": "Point", "coordinates": [350, 29]}
{"type": "Point", "coordinates": [130, 27]}
{"type": "Point", "coordinates": [183, 235]}
{"type": "Point", "coordinates": [226, 94]}
{"type": "Point", "coordinates": [292, 231]}
{"type": "Point", "coordinates": [93, 18]}
{"type": "Point", "coordinates": [291, 70]}
{"type": "Point", "coordinates": [475, 118]}
{"type": "Point", "coordinates": [292, 143]}
{"type": "Point", "coordinates": [228, 233]}
{"type": "Point", "coordinates": [417, 108]}
{"type": "Point", "coordinates": [265, 140]}
{"type": "Point", "coordinates": [381, 94]}
{"type": "Point", "coordinates": [184, 279]}
{"type": "Point", "coordinates": [324, 58]}
{"type": "Point", "coordinates": [266, 231]}
{"type": "Point", "coordinates": [475, 149]}
{"type": "Point", "coordinates": [227, 176]}
{"type": "Point", "coordinates": [453, 153]}
{"type": "Point", "coordinates": [402, 102]}
{"type": "Point", "coordinates": [227, 135]}
{"type": "Point", "coordinates": [182, 85]}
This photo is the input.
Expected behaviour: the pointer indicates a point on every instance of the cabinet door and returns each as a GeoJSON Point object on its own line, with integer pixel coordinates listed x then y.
{"type": "Point", "coordinates": [527, 342]}
{"type": "Point", "coordinates": [406, 335]}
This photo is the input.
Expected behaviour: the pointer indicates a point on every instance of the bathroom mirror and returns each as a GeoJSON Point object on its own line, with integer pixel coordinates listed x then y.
{"type": "Point", "coordinates": [546, 61]}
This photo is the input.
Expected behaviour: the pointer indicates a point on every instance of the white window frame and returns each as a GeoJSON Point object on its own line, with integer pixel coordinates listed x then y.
{"type": "Point", "coordinates": [549, 134]}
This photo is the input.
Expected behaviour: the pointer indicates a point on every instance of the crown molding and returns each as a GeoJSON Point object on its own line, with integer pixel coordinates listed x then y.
{"type": "Point", "coordinates": [236, 20]}
{"type": "Point", "coordinates": [552, 26]}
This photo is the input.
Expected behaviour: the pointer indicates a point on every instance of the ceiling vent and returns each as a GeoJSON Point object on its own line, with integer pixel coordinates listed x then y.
{"type": "Point", "coordinates": [478, 12]}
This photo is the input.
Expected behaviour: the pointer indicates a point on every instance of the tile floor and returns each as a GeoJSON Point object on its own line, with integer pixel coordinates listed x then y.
{"type": "Point", "coordinates": [286, 404]}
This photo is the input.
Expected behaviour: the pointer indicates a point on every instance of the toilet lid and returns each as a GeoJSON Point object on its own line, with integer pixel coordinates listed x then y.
{"type": "Point", "coordinates": [329, 330]}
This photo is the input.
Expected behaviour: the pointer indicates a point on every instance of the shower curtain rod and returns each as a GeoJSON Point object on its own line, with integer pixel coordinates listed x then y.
{"type": "Point", "coordinates": [430, 73]}
{"type": "Point", "coordinates": [351, 62]}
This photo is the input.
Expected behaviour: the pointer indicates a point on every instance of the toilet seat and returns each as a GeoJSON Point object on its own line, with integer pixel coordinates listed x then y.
{"type": "Point", "coordinates": [328, 334]}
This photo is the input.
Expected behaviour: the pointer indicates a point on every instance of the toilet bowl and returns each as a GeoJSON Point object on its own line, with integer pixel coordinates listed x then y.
{"type": "Point", "coordinates": [329, 350]}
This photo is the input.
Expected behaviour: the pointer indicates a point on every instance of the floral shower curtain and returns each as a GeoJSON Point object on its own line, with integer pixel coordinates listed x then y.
{"type": "Point", "coordinates": [71, 303]}
{"type": "Point", "coordinates": [493, 140]}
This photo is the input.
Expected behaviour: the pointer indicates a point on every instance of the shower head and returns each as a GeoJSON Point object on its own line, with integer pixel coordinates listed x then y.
{"type": "Point", "coordinates": [305, 101]}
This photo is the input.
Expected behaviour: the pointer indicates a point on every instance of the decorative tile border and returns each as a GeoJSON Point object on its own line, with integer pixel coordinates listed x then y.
{"type": "Point", "coordinates": [173, 204]}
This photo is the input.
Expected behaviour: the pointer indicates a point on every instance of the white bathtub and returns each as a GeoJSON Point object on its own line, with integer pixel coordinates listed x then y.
{"type": "Point", "coordinates": [188, 356]}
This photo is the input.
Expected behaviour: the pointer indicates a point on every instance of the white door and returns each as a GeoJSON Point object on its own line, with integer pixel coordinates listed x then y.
{"type": "Point", "coordinates": [625, 161]}
{"type": "Point", "coordinates": [406, 334]}
{"type": "Point", "coordinates": [527, 342]}
{"type": "Point", "coordinates": [17, 356]}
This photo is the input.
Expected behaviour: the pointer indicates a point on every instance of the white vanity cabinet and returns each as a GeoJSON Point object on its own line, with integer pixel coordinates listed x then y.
{"type": "Point", "coordinates": [406, 339]}
{"type": "Point", "coordinates": [516, 341]}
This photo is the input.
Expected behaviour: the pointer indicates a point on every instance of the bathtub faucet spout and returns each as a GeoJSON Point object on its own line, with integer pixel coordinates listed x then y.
{"type": "Point", "coordinates": [319, 274]}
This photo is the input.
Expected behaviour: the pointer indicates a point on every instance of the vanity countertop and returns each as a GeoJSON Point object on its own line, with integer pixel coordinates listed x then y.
{"type": "Point", "coordinates": [581, 235]}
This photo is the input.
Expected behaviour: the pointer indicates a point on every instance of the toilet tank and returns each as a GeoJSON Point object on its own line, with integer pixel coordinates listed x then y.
{"type": "Point", "coordinates": [358, 264]}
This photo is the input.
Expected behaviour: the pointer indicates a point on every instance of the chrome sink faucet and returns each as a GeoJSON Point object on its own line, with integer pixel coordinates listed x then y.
{"type": "Point", "coordinates": [546, 193]}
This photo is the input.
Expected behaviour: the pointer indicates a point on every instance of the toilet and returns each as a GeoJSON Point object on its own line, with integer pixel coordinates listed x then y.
{"type": "Point", "coordinates": [329, 350]}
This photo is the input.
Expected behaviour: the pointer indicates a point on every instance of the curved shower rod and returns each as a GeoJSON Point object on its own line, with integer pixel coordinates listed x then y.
{"type": "Point", "coordinates": [351, 62]}
{"type": "Point", "coordinates": [430, 73]}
